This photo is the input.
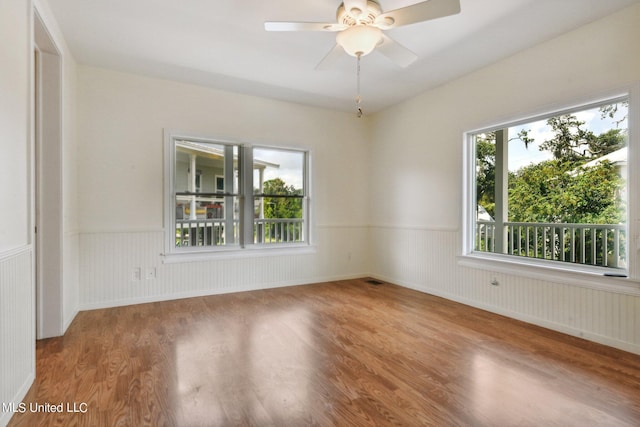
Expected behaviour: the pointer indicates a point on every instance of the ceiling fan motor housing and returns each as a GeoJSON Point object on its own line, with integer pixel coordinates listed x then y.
{"type": "Point", "coordinates": [358, 17]}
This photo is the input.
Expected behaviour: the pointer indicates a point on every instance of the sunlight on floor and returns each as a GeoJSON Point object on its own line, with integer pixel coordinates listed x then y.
{"type": "Point", "coordinates": [512, 393]}
{"type": "Point", "coordinates": [260, 374]}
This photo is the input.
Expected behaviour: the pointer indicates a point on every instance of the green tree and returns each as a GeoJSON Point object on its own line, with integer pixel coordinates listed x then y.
{"type": "Point", "coordinates": [553, 191]}
{"type": "Point", "coordinates": [282, 202]}
{"type": "Point", "coordinates": [571, 143]}
{"type": "Point", "coordinates": [486, 167]}
{"type": "Point", "coordinates": [560, 190]}
{"type": "Point", "coordinates": [608, 142]}
{"type": "Point", "coordinates": [281, 207]}
{"type": "Point", "coordinates": [486, 171]}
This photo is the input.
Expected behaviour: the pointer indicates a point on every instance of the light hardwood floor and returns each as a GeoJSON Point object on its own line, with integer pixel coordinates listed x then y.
{"type": "Point", "coordinates": [343, 353]}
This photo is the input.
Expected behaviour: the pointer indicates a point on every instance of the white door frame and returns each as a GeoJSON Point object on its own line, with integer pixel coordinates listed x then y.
{"type": "Point", "coordinates": [48, 182]}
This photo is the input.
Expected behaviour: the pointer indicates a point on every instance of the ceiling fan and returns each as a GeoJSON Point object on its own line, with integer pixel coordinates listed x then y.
{"type": "Point", "coordinates": [360, 25]}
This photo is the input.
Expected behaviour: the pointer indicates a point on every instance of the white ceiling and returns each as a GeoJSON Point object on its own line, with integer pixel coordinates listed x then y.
{"type": "Point", "coordinates": [223, 44]}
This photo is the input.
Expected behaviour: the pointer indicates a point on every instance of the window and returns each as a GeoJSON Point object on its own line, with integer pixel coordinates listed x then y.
{"type": "Point", "coordinates": [225, 196]}
{"type": "Point", "coordinates": [205, 214]}
{"type": "Point", "coordinates": [279, 196]}
{"type": "Point", "coordinates": [553, 189]}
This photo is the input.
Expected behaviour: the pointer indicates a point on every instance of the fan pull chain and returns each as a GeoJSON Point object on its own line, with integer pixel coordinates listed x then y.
{"type": "Point", "coordinates": [358, 108]}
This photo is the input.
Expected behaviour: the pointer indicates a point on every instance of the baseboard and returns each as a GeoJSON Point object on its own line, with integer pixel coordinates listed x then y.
{"type": "Point", "coordinates": [209, 292]}
{"type": "Point", "coordinates": [69, 320]}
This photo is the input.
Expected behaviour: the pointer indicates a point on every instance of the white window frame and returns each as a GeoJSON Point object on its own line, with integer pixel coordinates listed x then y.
{"type": "Point", "coordinates": [246, 246]}
{"type": "Point", "coordinates": [554, 271]}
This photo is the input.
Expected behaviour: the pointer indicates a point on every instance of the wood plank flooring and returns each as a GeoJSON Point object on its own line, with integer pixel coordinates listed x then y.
{"type": "Point", "coordinates": [333, 354]}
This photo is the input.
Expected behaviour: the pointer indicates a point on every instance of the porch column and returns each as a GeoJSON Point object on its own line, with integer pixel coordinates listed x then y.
{"type": "Point", "coordinates": [502, 190]}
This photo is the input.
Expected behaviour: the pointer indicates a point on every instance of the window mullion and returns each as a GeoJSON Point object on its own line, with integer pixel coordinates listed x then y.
{"type": "Point", "coordinates": [306, 214]}
{"type": "Point", "coordinates": [245, 172]}
{"type": "Point", "coordinates": [229, 200]}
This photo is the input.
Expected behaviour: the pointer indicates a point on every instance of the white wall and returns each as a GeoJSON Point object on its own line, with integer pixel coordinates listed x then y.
{"type": "Point", "coordinates": [416, 234]}
{"type": "Point", "coordinates": [17, 343]}
{"type": "Point", "coordinates": [120, 128]}
{"type": "Point", "coordinates": [14, 123]}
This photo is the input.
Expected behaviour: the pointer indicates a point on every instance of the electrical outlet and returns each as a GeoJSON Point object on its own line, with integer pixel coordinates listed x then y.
{"type": "Point", "coordinates": [137, 274]}
{"type": "Point", "coordinates": [150, 273]}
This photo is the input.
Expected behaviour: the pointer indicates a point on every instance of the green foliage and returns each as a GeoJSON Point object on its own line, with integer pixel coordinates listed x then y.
{"type": "Point", "coordinates": [523, 136]}
{"type": "Point", "coordinates": [554, 191]}
{"type": "Point", "coordinates": [571, 142]}
{"type": "Point", "coordinates": [486, 171]}
{"type": "Point", "coordinates": [608, 142]}
{"type": "Point", "coordinates": [281, 207]}
{"type": "Point", "coordinates": [559, 190]}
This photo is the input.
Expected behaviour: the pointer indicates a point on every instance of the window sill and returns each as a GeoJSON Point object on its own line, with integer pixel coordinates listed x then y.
{"type": "Point", "coordinates": [237, 253]}
{"type": "Point", "coordinates": [584, 276]}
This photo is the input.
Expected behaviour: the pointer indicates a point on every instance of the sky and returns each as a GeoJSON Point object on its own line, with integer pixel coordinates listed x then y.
{"type": "Point", "coordinates": [291, 165]}
{"type": "Point", "coordinates": [520, 156]}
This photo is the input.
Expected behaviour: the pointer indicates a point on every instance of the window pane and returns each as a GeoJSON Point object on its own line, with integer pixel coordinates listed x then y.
{"type": "Point", "coordinates": [279, 203]}
{"type": "Point", "coordinates": [211, 227]}
{"type": "Point", "coordinates": [278, 171]}
{"type": "Point", "coordinates": [206, 194]}
{"type": "Point", "coordinates": [200, 168]}
{"type": "Point", "coordinates": [555, 188]}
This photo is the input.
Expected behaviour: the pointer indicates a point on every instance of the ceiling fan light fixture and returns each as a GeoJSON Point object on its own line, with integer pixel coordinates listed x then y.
{"type": "Point", "coordinates": [359, 40]}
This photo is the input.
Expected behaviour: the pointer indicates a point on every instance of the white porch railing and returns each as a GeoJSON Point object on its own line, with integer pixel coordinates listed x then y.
{"type": "Point", "coordinates": [203, 232]}
{"type": "Point", "coordinates": [589, 244]}
{"type": "Point", "coordinates": [278, 230]}
{"type": "Point", "coordinates": [213, 232]}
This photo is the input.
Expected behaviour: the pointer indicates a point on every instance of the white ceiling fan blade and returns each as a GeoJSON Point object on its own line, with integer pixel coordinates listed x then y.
{"type": "Point", "coordinates": [352, 6]}
{"type": "Point", "coordinates": [330, 58]}
{"type": "Point", "coordinates": [396, 52]}
{"type": "Point", "coordinates": [423, 11]}
{"type": "Point", "coordinates": [303, 26]}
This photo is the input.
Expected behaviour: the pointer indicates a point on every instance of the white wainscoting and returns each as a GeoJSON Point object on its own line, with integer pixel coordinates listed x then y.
{"type": "Point", "coordinates": [71, 291]}
{"type": "Point", "coordinates": [17, 327]}
{"type": "Point", "coordinates": [426, 260]}
{"type": "Point", "coordinates": [108, 263]}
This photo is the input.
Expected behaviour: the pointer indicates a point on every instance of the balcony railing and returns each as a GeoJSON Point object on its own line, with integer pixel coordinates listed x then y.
{"type": "Point", "coordinates": [214, 232]}
{"type": "Point", "coordinates": [277, 230]}
{"type": "Point", "coordinates": [204, 232]}
{"type": "Point", "coordinates": [589, 244]}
